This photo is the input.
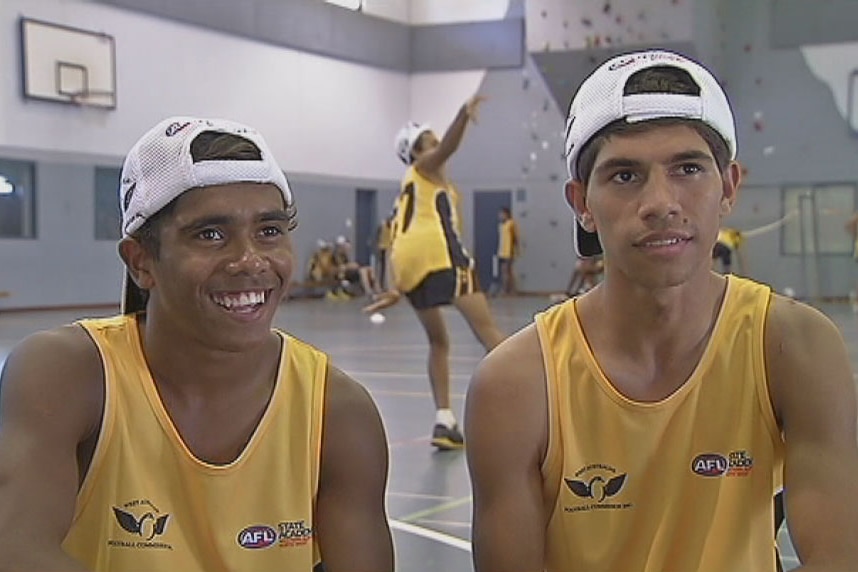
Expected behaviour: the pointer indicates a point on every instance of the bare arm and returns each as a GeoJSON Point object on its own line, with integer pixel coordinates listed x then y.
{"type": "Point", "coordinates": [350, 514]}
{"type": "Point", "coordinates": [431, 163]}
{"type": "Point", "coordinates": [814, 395]}
{"type": "Point", "coordinates": [506, 432]}
{"type": "Point", "coordinates": [51, 401]}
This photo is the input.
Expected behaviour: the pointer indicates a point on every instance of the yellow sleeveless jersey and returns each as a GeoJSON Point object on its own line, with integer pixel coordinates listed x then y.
{"type": "Point", "coordinates": [425, 232]}
{"type": "Point", "coordinates": [680, 485]}
{"type": "Point", "coordinates": [147, 504]}
{"type": "Point", "coordinates": [507, 239]}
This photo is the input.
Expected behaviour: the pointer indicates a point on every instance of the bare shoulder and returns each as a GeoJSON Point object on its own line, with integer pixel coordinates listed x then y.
{"type": "Point", "coordinates": [62, 357]}
{"type": "Point", "coordinates": [792, 325]}
{"type": "Point", "coordinates": [507, 398]}
{"type": "Point", "coordinates": [346, 398]}
{"type": "Point", "coordinates": [514, 365]}
{"type": "Point", "coordinates": [804, 350]}
{"type": "Point", "coordinates": [350, 414]}
{"type": "Point", "coordinates": [57, 375]}
{"type": "Point", "coordinates": [354, 444]}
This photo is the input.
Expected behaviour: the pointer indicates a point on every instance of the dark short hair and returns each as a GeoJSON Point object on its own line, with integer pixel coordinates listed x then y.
{"type": "Point", "coordinates": [659, 79]}
{"type": "Point", "coordinates": [207, 146]}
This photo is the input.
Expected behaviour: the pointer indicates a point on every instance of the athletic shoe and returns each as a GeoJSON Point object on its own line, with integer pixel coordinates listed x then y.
{"type": "Point", "coordinates": [447, 438]}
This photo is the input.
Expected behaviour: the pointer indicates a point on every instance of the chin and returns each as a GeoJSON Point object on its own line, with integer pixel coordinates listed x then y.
{"type": "Point", "coordinates": [244, 340]}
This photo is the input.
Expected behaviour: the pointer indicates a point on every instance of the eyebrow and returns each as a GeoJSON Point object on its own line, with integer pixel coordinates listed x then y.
{"type": "Point", "coordinates": [693, 155]}
{"type": "Point", "coordinates": [622, 162]}
{"type": "Point", "coordinates": [274, 216]}
{"type": "Point", "coordinates": [278, 215]}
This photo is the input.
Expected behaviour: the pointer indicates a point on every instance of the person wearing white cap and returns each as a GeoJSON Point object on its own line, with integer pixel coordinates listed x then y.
{"type": "Point", "coordinates": [647, 424]}
{"type": "Point", "coordinates": [429, 263]}
{"type": "Point", "coordinates": [186, 433]}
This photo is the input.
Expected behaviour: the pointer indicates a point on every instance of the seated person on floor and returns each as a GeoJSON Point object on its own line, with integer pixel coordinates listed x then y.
{"type": "Point", "coordinates": [352, 279]}
{"type": "Point", "coordinates": [321, 268]}
{"type": "Point", "coordinates": [586, 274]}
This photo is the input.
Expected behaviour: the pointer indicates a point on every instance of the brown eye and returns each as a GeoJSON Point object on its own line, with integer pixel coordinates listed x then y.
{"type": "Point", "coordinates": [271, 231]}
{"type": "Point", "coordinates": [690, 168]}
{"type": "Point", "coordinates": [210, 234]}
{"type": "Point", "coordinates": [623, 177]}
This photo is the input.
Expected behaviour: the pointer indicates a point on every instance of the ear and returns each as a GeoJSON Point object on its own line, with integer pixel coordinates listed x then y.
{"type": "Point", "coordinates": [576, 196]}
{"type": "Point", "coordinates": [730, 181]}
{"type": "Point", "coordinates": [138, 260]}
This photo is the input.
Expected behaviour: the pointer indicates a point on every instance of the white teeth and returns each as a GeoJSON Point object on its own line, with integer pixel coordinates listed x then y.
{"type": "Point", "coordinates": [667, 242]}
{"type": "Point", "coordinates": [239, 301]}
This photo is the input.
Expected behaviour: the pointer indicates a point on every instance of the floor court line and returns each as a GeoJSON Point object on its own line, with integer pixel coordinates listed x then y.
{"type": "Point", "coordinates": [452, 523]}
{"type": "Point", "coordinates": [419, 496]}
{"type": "Point", "coordinates": [429, 534]}
{"type": "Point", "coordinates": [406, 442]}
{"type": "Point", "coordinates": [423, 394]}
{"type": "Point", "coordinates": [357, 374]}
{"type": "Point", "coordinates": [372, 347]}
{"type": "Point", "coordinates": [415, 516]}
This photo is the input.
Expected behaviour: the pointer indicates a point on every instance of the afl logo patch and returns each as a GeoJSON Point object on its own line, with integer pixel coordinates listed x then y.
{"type": "Point", "coordinates": [257, 536]}
{"type": "Point", "coordinates": [709, 465]}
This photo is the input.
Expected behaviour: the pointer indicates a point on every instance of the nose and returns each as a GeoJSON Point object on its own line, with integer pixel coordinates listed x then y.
{"type": "Point", "coordinates": [659, 197]}
{"type": "Point", "coordinates": [246, 258]}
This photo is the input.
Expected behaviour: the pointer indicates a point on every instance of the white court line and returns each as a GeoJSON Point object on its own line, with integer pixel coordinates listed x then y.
{"type": "Point", "coordinates": [411, 393]}
{"type": "Point", "coordinates": [396, 374]}
{"type": "Point", "coordinates": [431, 535]}
{"type": "Point", "coordinates": [453, 523]}
{"type": "Point", "coordinates": [419, 496]}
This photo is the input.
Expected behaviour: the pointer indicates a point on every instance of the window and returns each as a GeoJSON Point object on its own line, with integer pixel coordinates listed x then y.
{"type": "Point", "coordinates": [17, 199]}
{"type": "Point", "coordinates": [816, 219]}
{"type": "Point", "coordinates": [108, 219]}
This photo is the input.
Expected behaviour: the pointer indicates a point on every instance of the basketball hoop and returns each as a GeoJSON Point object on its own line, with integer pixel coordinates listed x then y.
{"type": "Point", "coordinates": [99, 99]}
{"type": "Point", "coordinates": [93, 105]}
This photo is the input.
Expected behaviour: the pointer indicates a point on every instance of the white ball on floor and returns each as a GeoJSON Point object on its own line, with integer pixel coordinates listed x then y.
{"type": "Point", "coordinates": [789, 292]}
{"type": "Point", "coordinates": [377, 318]}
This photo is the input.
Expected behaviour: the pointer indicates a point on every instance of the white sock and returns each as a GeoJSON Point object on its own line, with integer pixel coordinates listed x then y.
{"type": "Point", "coordinates": [445, 417]}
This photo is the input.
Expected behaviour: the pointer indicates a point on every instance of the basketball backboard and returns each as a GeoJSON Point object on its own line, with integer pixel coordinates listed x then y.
{"type": "Point", "coordinates": [68, 65]}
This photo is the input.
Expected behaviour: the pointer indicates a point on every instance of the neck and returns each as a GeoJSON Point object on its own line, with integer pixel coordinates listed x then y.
{"type": "Point", "coordinates": [191, 366]}
{"type": "Point", "coordinates": [654, 322]}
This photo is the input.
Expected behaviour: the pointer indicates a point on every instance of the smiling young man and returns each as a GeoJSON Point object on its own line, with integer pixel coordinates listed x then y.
{"type": "Point", "coordinates": [186, 433]}
{"type": "Point", "coordinates": [647, 424]}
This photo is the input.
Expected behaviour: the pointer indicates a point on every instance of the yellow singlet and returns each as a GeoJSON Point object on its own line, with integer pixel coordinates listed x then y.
{"type": "Point", "coordinates": [684, 484]}
{"type": "Point", "coordinates": [147, 503]}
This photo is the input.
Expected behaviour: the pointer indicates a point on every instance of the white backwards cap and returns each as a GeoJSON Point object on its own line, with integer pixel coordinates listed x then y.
{"type": "Point", "coordinates": [407, 137]}
{"type": "Point", "coordinates": [160, 167]}
{"type": "Point", "coordinates": [601, 100]}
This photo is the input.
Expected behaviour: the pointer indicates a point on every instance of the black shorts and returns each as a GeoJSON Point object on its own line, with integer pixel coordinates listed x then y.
{"type": "Point", "coordinates": [441, 287]}
{"type": "Point", "coordinates": [722, 252]}
{"type": "Point", "coordinates": [352, 275]}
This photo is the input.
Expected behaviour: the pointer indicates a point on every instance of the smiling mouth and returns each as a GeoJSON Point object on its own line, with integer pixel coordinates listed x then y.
{"type": "Point", "coordinates": [241, 302]}
{"type": "Point", "coordinates": [663, 242]}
